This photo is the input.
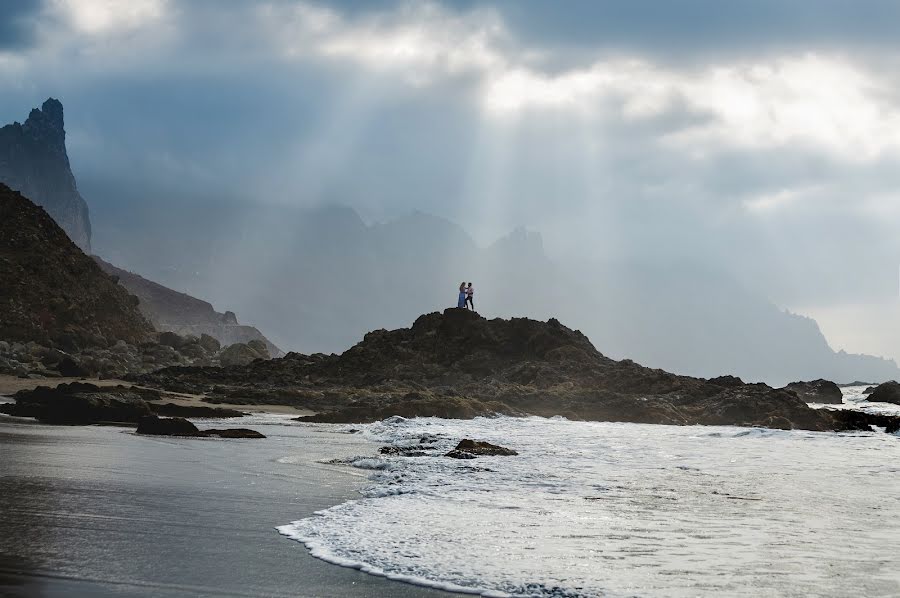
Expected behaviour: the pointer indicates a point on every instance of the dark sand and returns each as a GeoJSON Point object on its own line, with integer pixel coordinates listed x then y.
{"type": "Point", "coordinates": [101, 511]}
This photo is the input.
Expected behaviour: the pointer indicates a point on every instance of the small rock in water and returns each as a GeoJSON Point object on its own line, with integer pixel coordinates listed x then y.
{"type": "Point", "coordinates": [469, 449]}
{"type": "Point", "coordinates": [889, 392]}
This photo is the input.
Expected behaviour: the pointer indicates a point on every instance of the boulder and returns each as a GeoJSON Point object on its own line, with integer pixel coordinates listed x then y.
{"type": "Point", "coordinates": [889, 392]}
{"type": "Point", "coordinates": [167, 426]}
{"type": "Point", "coordinates": [241, 354]}
{"type": "Point", "coordinates": [70, 368]}
{"type": "Point", "coordinates": [210, 343]}
{"type": "Point", "coordinates": [469, 449]}
{"type": "Point", "coordinates": [193, 351]}
{"type": "Point", "coordinates": [178, 426]}
{"type": "Point", "coordinates": [817, 391]}
{"type": "Point", "coordinates": [170, 339]}
{"type": "Point", "coordinates": [80, 403]}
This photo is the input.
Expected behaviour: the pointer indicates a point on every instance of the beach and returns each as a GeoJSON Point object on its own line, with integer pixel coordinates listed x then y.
{"type": "Point", "coordinates": [102, 511]}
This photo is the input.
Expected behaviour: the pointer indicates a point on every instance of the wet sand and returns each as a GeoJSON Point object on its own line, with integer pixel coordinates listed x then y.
{"type": "Point", "coordinates": [11, 384]}
{"type": "Point", "coordinates": [101, 511]}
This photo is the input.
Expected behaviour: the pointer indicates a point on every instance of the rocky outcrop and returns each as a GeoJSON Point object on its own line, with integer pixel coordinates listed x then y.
{"type": "Point", "coordinates": [171, 311]}
{"type": "Point", "coordinates": [51, 292]}
{"type": "Point", "coordinates": [851, 419]}
{"type": "Point", "coordinates": [84, 403]}
{"type": "Point", "coordinates": [244, 354]}
{"type": "Point", "coordinates": [469, 449]}
{"type": "Point", "coordinates": [889, 392]}
{"type": "Point", "coordinates": [33, 161]}
{"type": "Point", "coordinates": [177, 426]}
{"type": "Point", "coordinates": [817, 391]}
{"type": "Point", "coordinates": [458, 364]}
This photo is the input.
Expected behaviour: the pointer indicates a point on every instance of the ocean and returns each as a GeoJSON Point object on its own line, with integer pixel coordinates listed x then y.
{"type": "Point", "coordinates": [616, 509]}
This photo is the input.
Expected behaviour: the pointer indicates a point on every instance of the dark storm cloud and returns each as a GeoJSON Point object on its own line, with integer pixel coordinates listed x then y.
{"type": "Point", "coordinates": [698, 27]}
{"type": "Point", "coordinates": [17, 23]}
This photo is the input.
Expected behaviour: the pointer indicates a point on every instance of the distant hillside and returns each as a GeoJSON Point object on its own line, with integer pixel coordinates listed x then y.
{"type": "Point", "coordinates": [171, 311]}
{"type": "Point", "coordinates": [33, 161]}
{"type": "Point", "coordinates": [51, 292]}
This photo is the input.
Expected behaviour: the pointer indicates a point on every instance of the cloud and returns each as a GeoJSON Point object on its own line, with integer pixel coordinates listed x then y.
{"type": "Point", "coordinates": [98, 17]}
{"type": "Point", "coordinates": [821, 101]}
{"type": "Point", "coordinates": [17, 23]}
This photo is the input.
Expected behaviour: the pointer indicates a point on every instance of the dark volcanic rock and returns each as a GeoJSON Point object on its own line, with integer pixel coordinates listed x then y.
{"type": "Point", "coordinates": [467, 449]}
{"type": "Point", "coordinates": [83, 403]}
{"type": "Point", "coordinates": [167, 426]}
{"type": "Point", "coordinates": [33, 160]}
{"type": "Point", "coordinates": [177, 426]}
{"type": "Point", "coordinates": [243, 354]}
{"type": "Point", "coordinates": [51, 292]}
{"type": "Point", "coordinates": [849, 419]}
{"type": "Point", "coordinates": [817, 391]}
{"type": "Point", "coordinates": [458, 364]}
{"type": "Point", "coordinates": [889, 392]}
{"type": "Point", "coordinates": [71, 368]}
{"type": "Point", "coordinates": [79, 403]}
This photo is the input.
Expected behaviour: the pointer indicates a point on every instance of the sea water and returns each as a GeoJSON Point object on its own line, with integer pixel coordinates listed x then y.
{"type": "Point", "coordinates": [615, 509]}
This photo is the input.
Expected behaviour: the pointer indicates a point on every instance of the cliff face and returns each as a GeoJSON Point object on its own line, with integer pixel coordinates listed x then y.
{"type": "Point", "coordinates": [51, 292]}
{"type": "Point", "coordinates": [33, 161]}
{"type": "Point", "coordinates": [171, 311]}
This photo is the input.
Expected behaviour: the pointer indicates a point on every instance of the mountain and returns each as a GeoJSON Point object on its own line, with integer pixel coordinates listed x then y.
{"type": "Point", "coordinates": [171, 311]}
{"type": "Point", "coordinates": [33, 161]}
{"type": "Point", "coordinates": [320, 278]}
{"type": "Point", "coordinates": [52, 293]}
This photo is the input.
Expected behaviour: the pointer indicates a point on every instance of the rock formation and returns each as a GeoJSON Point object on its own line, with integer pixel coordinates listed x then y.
{"type": "Point", "coordinates": [458, 364]}
{"type": "Point", "coordinates": [51, 292]}
{"type": "Point", "coordinates": [817, 391]}
{"type": "Point", "coordinates": [33, 161]}
{"type": "Point", "coordinates": [83, 403]}
{"type": "Point", "coordinates": [469, 449]}
{"type": "Point", "coordinates": [171, 311]}
{"type": "Point", "coordinates": [177, 426]}
{"type": "Point", "coordinates": [889, 392]}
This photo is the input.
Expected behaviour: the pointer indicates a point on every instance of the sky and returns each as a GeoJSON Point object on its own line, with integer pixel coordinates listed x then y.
{"type": "Point", "coordinates": [761, 138]}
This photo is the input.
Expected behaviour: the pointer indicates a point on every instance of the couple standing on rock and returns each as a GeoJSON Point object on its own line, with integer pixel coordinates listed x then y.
{"type": "Point", "coordinates": [466, 297]}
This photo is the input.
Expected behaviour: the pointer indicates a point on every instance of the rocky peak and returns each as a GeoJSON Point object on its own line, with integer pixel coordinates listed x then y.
{"type": "Point", "coordinates": [46, 125]}
{"type": "Point", "coordinates": [33, 161]}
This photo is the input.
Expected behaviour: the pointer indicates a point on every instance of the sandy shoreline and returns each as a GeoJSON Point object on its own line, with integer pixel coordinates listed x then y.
{"type": "Point", "coordinates": [9, 385]}
{"type": "Point", "coordinates": [101, 511]}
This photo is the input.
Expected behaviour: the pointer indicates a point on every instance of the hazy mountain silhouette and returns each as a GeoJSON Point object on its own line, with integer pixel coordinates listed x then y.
{"type": "Point", "coordinates": [318, 279]}
{"type": "Point", "coordinates": [33, 161]}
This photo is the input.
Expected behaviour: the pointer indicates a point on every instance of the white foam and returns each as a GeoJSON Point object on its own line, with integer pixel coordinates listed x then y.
{"type": "Point", "coordinates": [622, 509]}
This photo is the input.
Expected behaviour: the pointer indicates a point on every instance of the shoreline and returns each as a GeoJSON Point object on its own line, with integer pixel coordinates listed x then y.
{"type": "Point", "coordinates": [97, 510]}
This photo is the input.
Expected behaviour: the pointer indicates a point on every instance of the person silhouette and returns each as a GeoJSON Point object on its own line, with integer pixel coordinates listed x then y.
{"type": "Point", "coordinates": [470, 297]}
{"type": "Point", "coordinates": [461, 303]}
